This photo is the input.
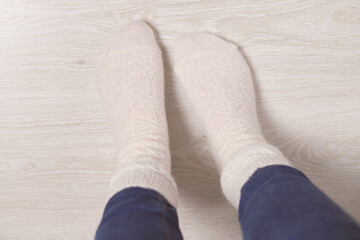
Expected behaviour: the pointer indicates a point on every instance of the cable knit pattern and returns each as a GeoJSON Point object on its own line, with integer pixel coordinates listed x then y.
{"type": "Point", "coordinates": [131, 83]}
{"type": "Point", "coordinates": [219, 85]}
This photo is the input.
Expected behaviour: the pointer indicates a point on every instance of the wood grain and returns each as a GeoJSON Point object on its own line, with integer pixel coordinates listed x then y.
{"type": "Point", "coordinates": [56, 150]}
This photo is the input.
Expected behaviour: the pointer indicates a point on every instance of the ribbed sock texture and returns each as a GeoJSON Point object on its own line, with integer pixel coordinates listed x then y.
{"type": "Point", "coordinates": [131, 84]}
{"type": "Point", "coordinates": [218, 83]}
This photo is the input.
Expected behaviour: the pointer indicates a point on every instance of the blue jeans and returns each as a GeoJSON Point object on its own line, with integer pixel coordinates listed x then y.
{"type": "Point", "coordinates": [277, 203]}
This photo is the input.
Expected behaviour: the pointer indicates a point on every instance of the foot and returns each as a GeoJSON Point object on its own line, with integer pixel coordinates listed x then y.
{"type": "Point", "coordinates": [218, 83]}
{"type": "Point", "coordinates": [131, 83]}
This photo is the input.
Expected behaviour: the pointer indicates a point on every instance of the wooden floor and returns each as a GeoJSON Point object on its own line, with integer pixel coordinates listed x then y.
{"type": "Point", "coordinates": [56, 149]}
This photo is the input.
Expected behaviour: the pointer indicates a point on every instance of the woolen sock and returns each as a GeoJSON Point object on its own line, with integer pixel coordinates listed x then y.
{"type": "Point", "coordinates": [218, 83]}
{"type": "Point", "coordinates": [131, 84]}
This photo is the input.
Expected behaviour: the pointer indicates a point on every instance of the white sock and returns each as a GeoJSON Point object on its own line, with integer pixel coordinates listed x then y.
{"type": "Point", "coordinates": [131, 83]}
{"type": "Point", "coordinates": [218, 83]}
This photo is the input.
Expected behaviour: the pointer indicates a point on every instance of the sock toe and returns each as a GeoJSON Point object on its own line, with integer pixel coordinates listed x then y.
{"type": "Point", "coordinates": [201, 44]}
{"type": "Point", "coordinates": [134, 34]}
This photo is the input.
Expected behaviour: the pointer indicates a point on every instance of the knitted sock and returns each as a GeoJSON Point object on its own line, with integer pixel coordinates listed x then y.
{"type": "Point", "coordinates": [131, 83]}
{"type": "Point", "coordinates": [218, 83]}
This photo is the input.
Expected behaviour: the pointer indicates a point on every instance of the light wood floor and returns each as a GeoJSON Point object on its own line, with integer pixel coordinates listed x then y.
{"type": "Point", "coordinates": [56, 149]}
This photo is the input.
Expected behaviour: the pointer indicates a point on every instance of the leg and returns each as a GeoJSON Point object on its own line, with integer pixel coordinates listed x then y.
{"type": "Point", "coordinates": [284, 204]}
{"type": "Point", "coordinates": [139, 213]}
{"type": "Point", "coordinates": [219, 85]}
{"type": "Point", "coordinates": [131, 84]}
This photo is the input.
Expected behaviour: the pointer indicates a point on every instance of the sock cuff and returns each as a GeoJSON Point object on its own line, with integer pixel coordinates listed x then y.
{"type": "Point", "coordinates": [146, 177]}
{"type": "Point", "coordinates": [243, 164]}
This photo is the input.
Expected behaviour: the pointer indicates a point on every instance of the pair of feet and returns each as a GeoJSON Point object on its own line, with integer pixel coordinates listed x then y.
{"type": "Point", "coordinates": [218, 83]}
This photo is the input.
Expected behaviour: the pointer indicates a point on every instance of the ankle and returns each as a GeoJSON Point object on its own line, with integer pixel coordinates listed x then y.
{"type": "Point", "coordinates": [244, 163]}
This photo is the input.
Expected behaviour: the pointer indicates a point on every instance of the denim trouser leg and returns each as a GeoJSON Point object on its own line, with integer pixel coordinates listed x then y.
{"type": "Point", "coordinates": [137, 213]}
{"type": "Point", "coordinates": [280, 202]}
{"type": "Point", "coordinates": [277, 203]}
